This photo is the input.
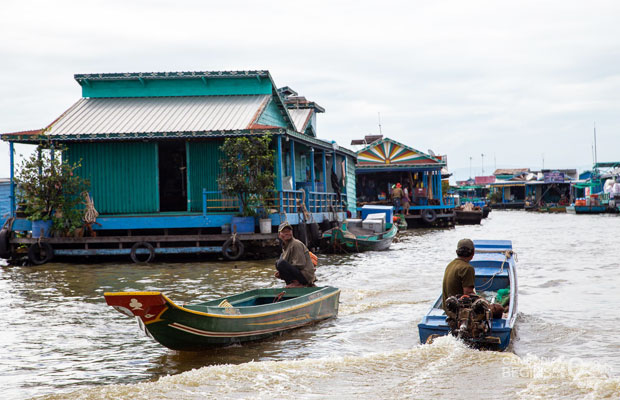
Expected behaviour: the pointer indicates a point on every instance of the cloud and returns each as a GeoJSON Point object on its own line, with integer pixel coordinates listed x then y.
{"type": "Point", "coordinates": [514, 80]}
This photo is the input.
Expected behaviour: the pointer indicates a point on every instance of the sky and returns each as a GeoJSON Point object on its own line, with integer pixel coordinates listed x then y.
{"type": "Point", "coordinates": [487, 83]}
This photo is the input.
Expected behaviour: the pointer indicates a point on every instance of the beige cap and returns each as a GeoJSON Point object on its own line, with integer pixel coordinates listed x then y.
{"type": "Point", "coordinates": [465, 243]}
{"type": "Point", "coordinates": [283, 226]}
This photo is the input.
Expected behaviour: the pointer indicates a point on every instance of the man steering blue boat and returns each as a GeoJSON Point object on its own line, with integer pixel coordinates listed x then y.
{"type": "Point", "coordinates": [295, 265]}
{"type": "Point", "coordinates": [459, 277]}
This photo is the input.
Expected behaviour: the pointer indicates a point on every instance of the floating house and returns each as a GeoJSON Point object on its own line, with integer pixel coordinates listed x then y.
{"type": "Point", "coordinates": [150, 145]}
{"type": "Point", "coordinates": [474, 191]}
{"type": "Point", "coordinates": [549, 188]}
{"type": "Point", "coordinates": [508, 190]}
{"type": "Point", "coordinates": [384, 162]}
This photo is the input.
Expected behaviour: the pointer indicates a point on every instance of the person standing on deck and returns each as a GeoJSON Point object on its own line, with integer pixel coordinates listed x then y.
{"type": "Point", "coordinates": [295, 265]}
{"type": "Point", "coordinates": [458, 279]}
{"type": "Point", "coordinates": [397, 195]}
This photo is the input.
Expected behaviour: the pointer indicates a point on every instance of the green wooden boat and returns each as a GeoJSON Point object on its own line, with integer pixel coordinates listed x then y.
{"type": "Point", "coordinates": [355, 240]}
{"type": "Point", "coordinates": [251, 315]}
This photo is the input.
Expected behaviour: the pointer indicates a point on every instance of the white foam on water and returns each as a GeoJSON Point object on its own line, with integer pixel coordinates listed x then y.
{"type": "Point", "coordinates": [390, 375]}
{"type": "Point", "coordinates": [566, 378]}
{"type": "Point", "coordinates": [445, 369]}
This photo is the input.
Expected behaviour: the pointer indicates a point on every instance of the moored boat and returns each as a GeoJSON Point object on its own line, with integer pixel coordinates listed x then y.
{"type": "Point", "coordinates": [252, 315]}
{"type": "Point", "coordinates": [468, 217]}
{"type": "Point", "coordinates": [495, 267]}
{"type": "Point", "coordinates": [350, 238]}
{"type": "Point", "coordinates": [597, 209]}
{"type": "Point", "coordinates": [468, 214]}
{"type": "Point", "coordinates": [486, 209]}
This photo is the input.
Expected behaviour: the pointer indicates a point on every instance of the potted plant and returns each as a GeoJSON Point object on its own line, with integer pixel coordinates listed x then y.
{"type": "Point", "coordinates": [49, 191]}
{"type": "Point", "coordinates": [247, 173]}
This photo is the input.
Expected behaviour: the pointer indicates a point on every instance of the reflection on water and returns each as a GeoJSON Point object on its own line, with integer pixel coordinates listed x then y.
{"type": "Point", "coordinates": [62, 340]}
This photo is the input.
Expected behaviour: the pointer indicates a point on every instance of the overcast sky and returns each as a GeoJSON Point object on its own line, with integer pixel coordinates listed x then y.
{"type": "Point", "coordinates": [517, 81]}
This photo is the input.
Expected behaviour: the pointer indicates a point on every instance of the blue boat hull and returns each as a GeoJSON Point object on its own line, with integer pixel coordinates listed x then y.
{"type": "Point", "coordinates": [586, 209]}
{"type": "Point", "coordinates": [495, 269]}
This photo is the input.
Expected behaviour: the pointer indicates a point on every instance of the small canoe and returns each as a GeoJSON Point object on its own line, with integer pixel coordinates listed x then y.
{"type": "Point", "coordinates": [252, 315]}
{"type": "Point", "coordinates": [552, 209]}
{"type": "Point", "coordinates": [356, 240]}
{"type": "Point", "coordinates": [495, 267]}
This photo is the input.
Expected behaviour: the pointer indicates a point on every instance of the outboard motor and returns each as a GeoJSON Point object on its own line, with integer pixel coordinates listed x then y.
{"type": "Point", "coordinates": [469, 318]}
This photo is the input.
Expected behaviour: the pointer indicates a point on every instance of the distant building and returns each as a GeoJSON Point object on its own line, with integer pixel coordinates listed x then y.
{"type": "Point", "coordinates": [384, 162]}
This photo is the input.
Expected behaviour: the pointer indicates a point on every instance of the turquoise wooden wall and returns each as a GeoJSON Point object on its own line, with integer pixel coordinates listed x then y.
{"type": "Point", "coordinates": [176, 87]}
{"type": "Point", "coordinates": [351, 187]}
{"type": "Point", "coordinates": [123, 175]}
{"type": "Point", "coordinates": [272, 115]}
{"type": "Point", "coordinates": [203, 169]}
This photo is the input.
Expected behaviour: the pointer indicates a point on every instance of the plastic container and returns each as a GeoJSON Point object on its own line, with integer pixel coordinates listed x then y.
{"type": "Point", "coordinates": [373, 209]}
{"type": "Point", "coordinates": [376, 225]}
{"type": "Point", "coordinates": [265, 225]}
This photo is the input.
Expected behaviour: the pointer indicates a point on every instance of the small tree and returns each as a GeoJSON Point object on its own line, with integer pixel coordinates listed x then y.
{"type": "Point", "coordinates": [247, 171]}
{"type": "Point", "coordinates": [48, 188]}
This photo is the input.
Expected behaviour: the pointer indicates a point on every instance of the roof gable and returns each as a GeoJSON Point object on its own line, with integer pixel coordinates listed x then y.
{"type": "Point", "coordinates": [388, 152]}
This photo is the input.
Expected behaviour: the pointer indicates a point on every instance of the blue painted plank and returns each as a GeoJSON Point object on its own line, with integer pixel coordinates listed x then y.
{"type": "Point", "coordinates": [121, 252]}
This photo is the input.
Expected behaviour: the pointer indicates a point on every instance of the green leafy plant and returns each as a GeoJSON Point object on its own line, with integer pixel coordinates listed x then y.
{"type": "Point", "coordinates": [49, 189]}
{"type": "Point", "coordinates": [247, 172]}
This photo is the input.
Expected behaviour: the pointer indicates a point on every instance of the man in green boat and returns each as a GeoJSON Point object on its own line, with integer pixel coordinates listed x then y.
{"type": "Point", "coordinates": [295, 265]}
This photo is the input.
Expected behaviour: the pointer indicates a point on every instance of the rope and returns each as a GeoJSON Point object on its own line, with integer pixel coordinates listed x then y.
{"type": "Point", "coordinates": [507, 255]}
{"type": "Point", "coordinates": [90, 214]}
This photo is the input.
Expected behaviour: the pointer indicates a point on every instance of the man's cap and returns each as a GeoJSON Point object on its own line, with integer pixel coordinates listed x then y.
{"type": "Point", "coordinates": [465, 243]}
{"type": "Point", "coordinates": [398, 185]}
{"type": "Point", "coordinates": [283, 226]}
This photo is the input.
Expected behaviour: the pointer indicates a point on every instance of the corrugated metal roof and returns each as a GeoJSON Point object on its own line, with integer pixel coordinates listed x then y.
{"type": "Point", "coordinates": [159, 114]}
{"type": "Point", "coordinates": [300, 117]}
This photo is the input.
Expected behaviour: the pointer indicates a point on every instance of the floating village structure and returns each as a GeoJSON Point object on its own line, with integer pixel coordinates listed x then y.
{"type": "Point", "coordinates": [508, 190]}
{"type": "Point", "coordinates": [597, 191]}
{"type": "Point", "coordinates": [384, 162]}
{"type": "Point", "coordinates": [547, 188]}
{"type": "Point", "coordinates": [150, 145]}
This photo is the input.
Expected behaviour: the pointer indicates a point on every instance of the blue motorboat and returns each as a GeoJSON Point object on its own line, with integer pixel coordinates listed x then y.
{"type": "Point", "coordinates": [495, 266]}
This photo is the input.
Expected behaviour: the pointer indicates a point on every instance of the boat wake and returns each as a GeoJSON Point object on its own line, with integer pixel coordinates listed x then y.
{"type": "Point", "coordinates": [444, 369]}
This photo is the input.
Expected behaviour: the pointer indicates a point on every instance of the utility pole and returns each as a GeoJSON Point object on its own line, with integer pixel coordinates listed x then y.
{"type": "Point", "coordinates": [482, 155]}
{"type": "Point", "coordinates": [470, 167]}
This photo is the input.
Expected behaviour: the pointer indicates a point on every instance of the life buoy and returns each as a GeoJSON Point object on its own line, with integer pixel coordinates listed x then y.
{"type": "Point", "coordinates": [40, 253]}
{"type": "Point", "coordinates": [5, 251]}
{"type": "Point", "coordinates": [232, 249]}
{"type": "Point", "coordinates": [429, 216]}
{"type": "Point", "coordinates": [134, 256]}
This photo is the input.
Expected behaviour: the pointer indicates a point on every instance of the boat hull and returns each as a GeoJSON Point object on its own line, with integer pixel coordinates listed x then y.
{"type": "Point", "coordinates": [337, 242]}
{"type": "Point", "coordinates": [195, 327]}
{"type": "Point", "coordinates": [468, 217]}
{"type": "Point", "coordinates": [495, 269]}
{"type": "Point", "coordinates": [586, 209]}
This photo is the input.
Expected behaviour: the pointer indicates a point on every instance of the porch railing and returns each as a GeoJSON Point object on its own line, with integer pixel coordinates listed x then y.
{"type": "Point", "coordinates": [326, 202]}
{"type": "Point", "coordinates": [284, 201]}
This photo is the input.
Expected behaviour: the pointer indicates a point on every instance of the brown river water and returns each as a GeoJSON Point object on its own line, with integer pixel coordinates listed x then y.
{"type": "Point", "coordinates": [59, 339]}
